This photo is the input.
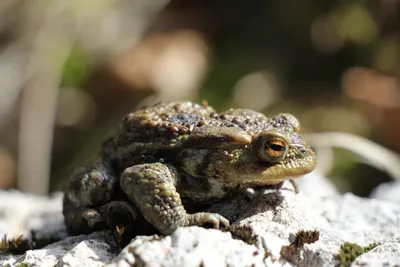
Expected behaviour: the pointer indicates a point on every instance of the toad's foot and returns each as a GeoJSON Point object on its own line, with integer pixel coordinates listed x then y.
{"type": "Point", "coordinates": [151, 187]}
{"type": "Point", "coordinates": [252, 193]}
{"type": "Point", "coordinates": [212, 220]}
{"type": "Point", "coordinates": [81, 220]}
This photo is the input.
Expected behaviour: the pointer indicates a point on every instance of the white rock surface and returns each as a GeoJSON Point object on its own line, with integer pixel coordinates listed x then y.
{"type": "Point", "coordinates": [84, 250]}
{"type": "Point", "coordinates": [387, 254]}
{"type": "Point", "coordinates": [273, 219]}
{"type": "Point", "coordinates": [187, 247]}
{"type": "Point", "coordinates": [388, 192]}
{"type": "Point", "coordinates": [20, 213]}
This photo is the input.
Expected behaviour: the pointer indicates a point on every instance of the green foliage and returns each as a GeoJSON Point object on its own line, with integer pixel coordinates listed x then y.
{"type": "Point", "coordinates": [350, 251]}
{"type": "Point", "coordinates": [76, 68]}
{"type": "Point", "coordinates": [9, 245]}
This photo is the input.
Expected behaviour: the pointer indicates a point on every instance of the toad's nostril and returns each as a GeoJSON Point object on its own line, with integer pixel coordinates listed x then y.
{"type": "Point", "coordinates": [301, 148]}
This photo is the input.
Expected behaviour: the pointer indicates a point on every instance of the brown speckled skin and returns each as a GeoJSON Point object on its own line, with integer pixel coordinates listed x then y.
{"type": "Point", "coordinates": [174, 154]}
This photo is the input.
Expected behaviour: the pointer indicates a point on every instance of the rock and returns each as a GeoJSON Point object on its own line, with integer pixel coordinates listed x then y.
{"type": "Point", "coordinates": [279, 228]}
{"type": "Point", "coordinates": [83, 250]}
{"type": "Point", "coordinates": [386, 254]}
{"type": "Point", "coordinates": [20, 214]}
{"type": "Point", "coordinates": [316, 185]}
{"type": "Point", "coordinates": [388, 192]}
{"type": "Point", "coordinates": [190, 246]}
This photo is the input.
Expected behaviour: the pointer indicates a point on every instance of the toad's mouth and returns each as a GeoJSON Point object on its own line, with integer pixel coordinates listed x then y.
{"type": "Point", "coordinates": [277, 173]}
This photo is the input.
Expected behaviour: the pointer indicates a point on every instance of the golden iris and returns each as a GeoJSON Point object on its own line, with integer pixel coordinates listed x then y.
{"type": "Point", "coordinates": [272, 148]}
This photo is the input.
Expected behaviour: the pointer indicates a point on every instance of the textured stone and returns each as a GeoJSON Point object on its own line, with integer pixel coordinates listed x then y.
{"type": "Point", "coordinates": [83, 250]}
{"type": "Point", "coordinates": [386, 254]}
{"type": "Point", "coordinates": [20, 214]}
{"type": "Point", "coordinates": [269, 221]}
{"type": "Point", "coordinates": [388, 192]}
{"type": "Point", "coordinates": [190, 246]}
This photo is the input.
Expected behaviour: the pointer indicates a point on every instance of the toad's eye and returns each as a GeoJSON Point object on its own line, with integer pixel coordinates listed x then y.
{"type": "Point", "coordinates": [272, 148]}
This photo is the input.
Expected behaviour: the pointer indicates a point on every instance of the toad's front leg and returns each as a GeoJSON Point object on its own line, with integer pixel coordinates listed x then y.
{"type": "Point", "coordinates": [152, 188]}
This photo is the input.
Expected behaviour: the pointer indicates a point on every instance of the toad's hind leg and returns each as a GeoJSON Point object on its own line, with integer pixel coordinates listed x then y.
{"type": "Point", "coordinates": [87, 189]}
{"type": "Point", "coordinates": [152, 188]}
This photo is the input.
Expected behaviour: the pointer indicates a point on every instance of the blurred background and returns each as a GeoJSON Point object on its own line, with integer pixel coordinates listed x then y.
{"type": "Point", "coordinates": [70, 69]}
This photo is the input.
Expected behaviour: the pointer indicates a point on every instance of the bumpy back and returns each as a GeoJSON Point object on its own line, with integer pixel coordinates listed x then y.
{"type": "Point", "coordinates": [165, 124]}
{"type": "Point", "coordinates": [150, 133]}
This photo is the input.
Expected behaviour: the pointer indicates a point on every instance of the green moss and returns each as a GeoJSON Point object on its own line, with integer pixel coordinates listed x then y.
{"type": "Point", "coordinates": [350, 251]}
{"type": "Point", "coordinates": [370, 247]}
{"type": "Point", "coordinates": [23, 265]}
